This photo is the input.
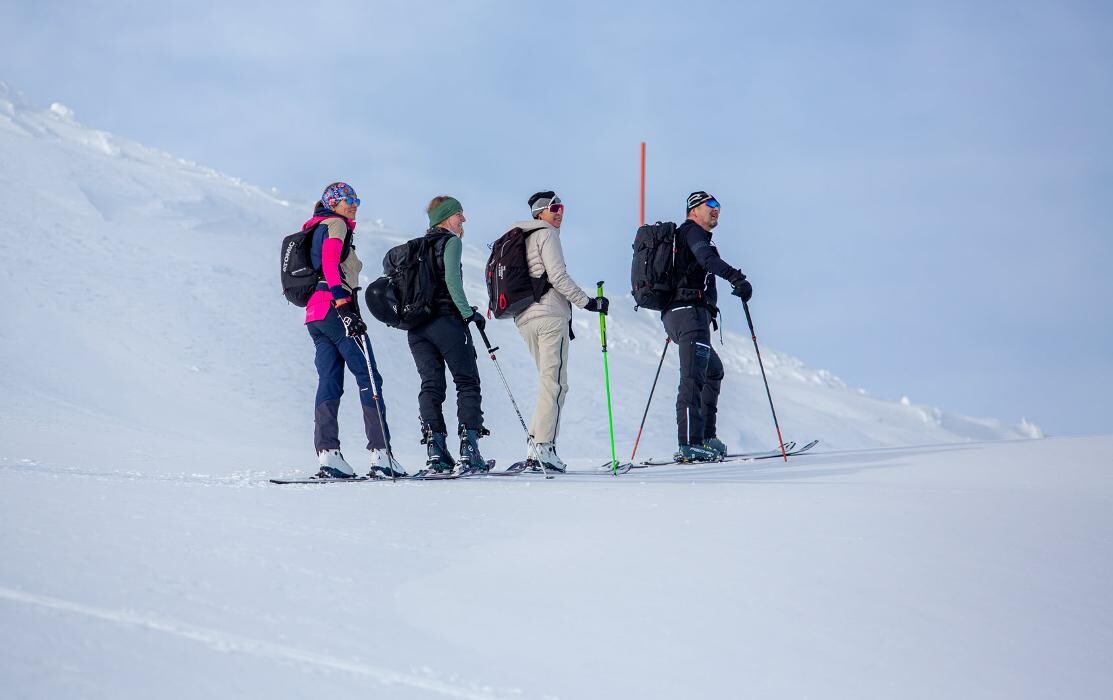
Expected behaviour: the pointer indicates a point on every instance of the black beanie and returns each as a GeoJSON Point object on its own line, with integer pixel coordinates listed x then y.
{"type": "Point", "coordinates": [697, 198]}
{"type": "Point", "coordinates": [548, 194]}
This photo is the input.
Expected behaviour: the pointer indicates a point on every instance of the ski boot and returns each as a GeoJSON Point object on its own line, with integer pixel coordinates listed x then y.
{"type": "Point", "coordinates": [544, 458]}
{"type": "Point", "coordinates": [384, 465]}
{"type": "Point", "coordinates": [470, 458]}
{"type": "Point", "coordinates": [436, 446]}
{"type": "Point", "coordinates": [714, 443]}
{"type": "Point", "coordinates": [697, 453]}
{"type": "Point", "coordinates": [334, 466]}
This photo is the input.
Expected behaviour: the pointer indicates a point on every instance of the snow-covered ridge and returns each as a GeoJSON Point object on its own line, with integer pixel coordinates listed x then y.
{"type": "Point", "coordinates": [59, 122]}
{"type": "Point", "coordinates": [170, 340]}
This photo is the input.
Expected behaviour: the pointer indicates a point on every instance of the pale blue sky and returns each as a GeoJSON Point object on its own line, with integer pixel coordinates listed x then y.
{"type": "Point", "coordinates": [920, 193]}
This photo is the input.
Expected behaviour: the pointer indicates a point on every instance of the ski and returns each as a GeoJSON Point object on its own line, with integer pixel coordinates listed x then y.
{"type": "Point", "coordinates": [790, 449]}
{"type": "Point", "coordinates": [420, 475]}
{"type": "Point", "coordinates": [326, 480]}
{"type": "Point", "coordinates": [654, 462]}
{"type": "Point", "coordinates": [523, 468]}
{"type": "Point", "coordinates": [519, 468]}
{"type": "Point", "coordinates": [793, 453]}
{"type": "Point", "coordinates": [657, 462]}
{"type": "Point", "coordinates": [429, 475]}
{"type": "Point", "coordinates": [651, 462]}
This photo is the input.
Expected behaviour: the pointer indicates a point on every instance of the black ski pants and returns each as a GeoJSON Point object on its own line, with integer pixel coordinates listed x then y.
{"type": "Point", "coordinates": [446, 340]}
{"type": "Point", "coordinates": [701, 373]}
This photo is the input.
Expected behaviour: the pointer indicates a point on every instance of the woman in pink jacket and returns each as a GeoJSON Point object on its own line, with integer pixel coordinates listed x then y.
{"type": "Point", "coordinates": [333, 320]}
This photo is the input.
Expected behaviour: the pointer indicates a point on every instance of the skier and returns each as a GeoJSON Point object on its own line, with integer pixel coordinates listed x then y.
{"type": "Point", "coordinates": [687, 320]}
{"type": "Point", "coordinates": [545, 325]}
{"type": "Point", "coordinates": [446, 340]}
{"type": "Point", "coordinates": [333, 320]}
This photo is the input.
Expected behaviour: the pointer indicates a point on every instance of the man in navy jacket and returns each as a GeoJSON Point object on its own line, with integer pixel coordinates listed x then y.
{"type": "Point", "coordinates": [687, 320]}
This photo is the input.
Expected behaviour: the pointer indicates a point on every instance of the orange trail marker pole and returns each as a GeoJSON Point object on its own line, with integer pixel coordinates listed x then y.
{"type": "Point", "coordinates": [641, 189]}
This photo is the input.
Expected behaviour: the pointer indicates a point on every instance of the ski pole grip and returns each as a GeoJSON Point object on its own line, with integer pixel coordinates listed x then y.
{"type": "Point", "coordinates": [483, 334]}
{"type": "Point", "coordinates": [602, 320]}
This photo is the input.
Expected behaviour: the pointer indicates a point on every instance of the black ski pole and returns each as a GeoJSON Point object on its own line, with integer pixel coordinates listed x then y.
{"type": "Point", "coordinates": [650, 399]}
{"type": "Point", "coordinates": [491, 352]}
{"type": "Point", "coordinates": [368, 356]}
{"type": "Point", "coordinates": [753, 335]}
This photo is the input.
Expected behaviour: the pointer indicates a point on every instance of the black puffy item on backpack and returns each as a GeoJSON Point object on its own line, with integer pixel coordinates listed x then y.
{"type": "Point", "coordinates": [382, 302]}
{"type": "Point", "coordinates": [299, 276]}
{"type": "Point", "coordinates": [405, 297]}
{"type": "Point", "coordinates": [653, 270]}
{"type": "Point", "coordinates": [510, 289]}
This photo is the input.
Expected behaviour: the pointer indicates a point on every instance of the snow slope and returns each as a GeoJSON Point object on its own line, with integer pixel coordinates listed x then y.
{"type": "Point", "coordinates": [971, 571]}
{"type": "Point", "coordinates": [144, 329]}
{"type": "Point", "coordinates": [154, 379]}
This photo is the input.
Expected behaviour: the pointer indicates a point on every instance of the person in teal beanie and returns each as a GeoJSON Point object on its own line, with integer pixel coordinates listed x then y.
{"type": "Point", "coordinates": [446, 340]}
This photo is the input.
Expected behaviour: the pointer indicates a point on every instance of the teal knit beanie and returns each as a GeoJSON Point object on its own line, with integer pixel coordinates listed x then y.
{"type": "Point", "coordinates": [444, 210]}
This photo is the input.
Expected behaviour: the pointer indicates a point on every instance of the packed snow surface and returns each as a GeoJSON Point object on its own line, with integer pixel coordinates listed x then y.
{"type": "Point", "coordinates": [155, 379]}
{"type": "Point", "coordinates": [977, 571]}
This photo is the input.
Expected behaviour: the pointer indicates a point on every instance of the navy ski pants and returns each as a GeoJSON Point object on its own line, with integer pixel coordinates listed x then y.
{"type": "Point", "coordinates": [701, 374]}
{"type": "Point", "coordinates": [334, 350]}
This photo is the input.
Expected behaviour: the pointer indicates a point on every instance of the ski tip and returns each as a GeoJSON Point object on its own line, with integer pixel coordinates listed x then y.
{"type": "Point", "coordinates": [316, 480]}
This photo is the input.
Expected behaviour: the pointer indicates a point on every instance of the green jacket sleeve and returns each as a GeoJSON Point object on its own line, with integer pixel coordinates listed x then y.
{"type": "Point", "coordinates": [454, 275]}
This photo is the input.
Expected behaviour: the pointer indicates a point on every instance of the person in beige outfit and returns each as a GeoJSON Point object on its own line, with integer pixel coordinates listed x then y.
{"type": "Point", "coordinates": [546, 325]}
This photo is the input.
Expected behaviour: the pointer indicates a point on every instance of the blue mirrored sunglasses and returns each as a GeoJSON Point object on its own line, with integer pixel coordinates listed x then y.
{"type": "Point", "coordinates": [354, 201]}
{"type": "Point", "coordinates": [713, 203]}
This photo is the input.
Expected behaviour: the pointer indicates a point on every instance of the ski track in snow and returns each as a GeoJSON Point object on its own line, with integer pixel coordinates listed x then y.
{"type": "Point", "coordinates": [226, 642]}
{"type": "Point", "coordinates": [234, 479]}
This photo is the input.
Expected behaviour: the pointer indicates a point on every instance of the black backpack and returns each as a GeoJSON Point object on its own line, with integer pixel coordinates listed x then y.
{"type": "Point", "coordinates": [405, 296]}
{"type": "Point", "coordinates": [299, 276]}
{"type": "Point", "coordinates": [510, 289]}
{"type": "Point", "coordinates": [653, 271]}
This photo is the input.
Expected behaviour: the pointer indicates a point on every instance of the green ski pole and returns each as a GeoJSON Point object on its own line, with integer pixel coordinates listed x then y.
{"type": "Point", "coordinates": [607, 377]}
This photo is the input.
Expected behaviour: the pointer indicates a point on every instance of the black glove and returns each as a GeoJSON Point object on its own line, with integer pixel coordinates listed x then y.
{"type": "Point", "coordinates": [743, 290]}
{"type": "Point", "coordinates": [478, 320]}
{"type": "Point", "coordinates": [349, 316]}
{"type": "Point", "coordinates": [599, 305]}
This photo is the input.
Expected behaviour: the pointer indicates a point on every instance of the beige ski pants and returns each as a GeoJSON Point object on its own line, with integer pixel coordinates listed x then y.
{"type": "Point", "coordinates": [547, 338]}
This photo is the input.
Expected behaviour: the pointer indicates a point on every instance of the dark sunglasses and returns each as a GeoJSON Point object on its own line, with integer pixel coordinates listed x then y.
{"type": "Point", "coordinates": [713, 203]}
{"type": "Point", "coordinates": [354, 201]}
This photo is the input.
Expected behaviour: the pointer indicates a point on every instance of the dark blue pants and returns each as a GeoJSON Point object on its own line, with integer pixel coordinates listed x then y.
{"type": "Point", "coordinates": [334, 350]}
{"type": "Point", "coordinates": [701, 374]}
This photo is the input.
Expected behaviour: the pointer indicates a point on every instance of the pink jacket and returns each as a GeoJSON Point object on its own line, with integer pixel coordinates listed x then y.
{"type": "Point", "coordinates": [341, 276]}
